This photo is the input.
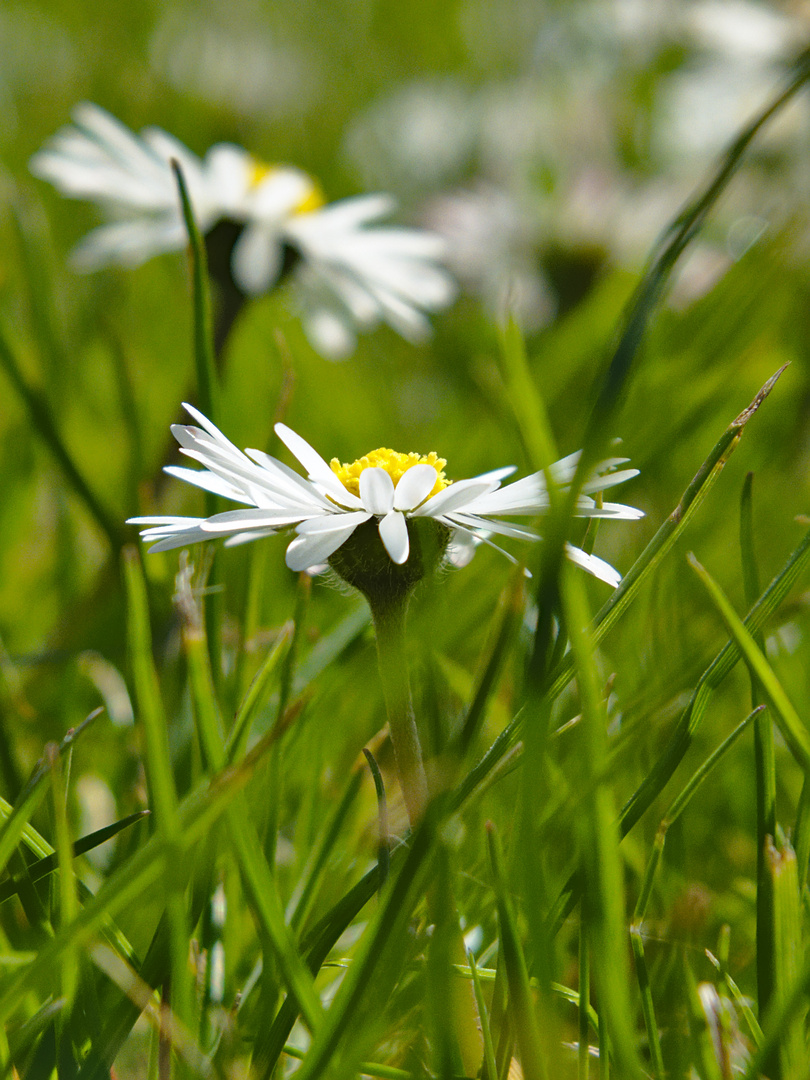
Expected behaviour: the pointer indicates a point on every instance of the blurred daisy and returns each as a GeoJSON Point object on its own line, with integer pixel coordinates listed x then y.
{"type": "Point", "coordinates": [351, 273]}
{"type": "Point", "coordinates": [391, 489]}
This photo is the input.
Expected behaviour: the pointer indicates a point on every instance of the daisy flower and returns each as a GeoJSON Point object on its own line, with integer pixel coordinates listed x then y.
{"type": "Point", "coordinates": [351, 273]}
{"type": "Point", "coordinates": [384, 494]}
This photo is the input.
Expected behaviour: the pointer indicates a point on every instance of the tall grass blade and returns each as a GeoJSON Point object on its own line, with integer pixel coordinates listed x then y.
{"type": "Point", "coordinates": [489, 1071]}
{"type": "Point", "coordinates": [764, 765]}
{"type": "Point", "coordinates": [793, 729]}
{"type": "Point", "coordinates": [43, 422]}
{"type": "Point", "coordinates": [603, 901]}
{"type": "Point", "coordinates": [257, 879]}
{"type": "Point", "coordinates": [160, 781]}
{"type": "Point", "coordinates": [372, 965]}
{"type": "Point", "coordinates": [44, 866]}
{"type": "Point", "coordinates": [207, 382]}
{"type": "Point", "coordinates": [788, 947]}
{"type": "Point", "coordinates": [623, 596]}
{"type": "Point", "coordinates": [300, 905]}
{"type": "Point", "coordinates": [521, 1006]}
{"type": "Point", "coordinates": [664, 258]}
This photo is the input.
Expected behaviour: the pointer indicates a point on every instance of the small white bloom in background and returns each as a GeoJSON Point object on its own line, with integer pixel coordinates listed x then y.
{"type": "Point", "coordinates": [351, 273]}
{"type": "Point", "coordinates": [327, 505]}
{"type": "Point", "coordinates": [492, 248]}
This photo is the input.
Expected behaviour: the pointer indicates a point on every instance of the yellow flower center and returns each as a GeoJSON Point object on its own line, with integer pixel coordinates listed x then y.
{"type": "Point", "coordinates": [312, 199]}
{"type": "Point", "coordinates": [394, 463]}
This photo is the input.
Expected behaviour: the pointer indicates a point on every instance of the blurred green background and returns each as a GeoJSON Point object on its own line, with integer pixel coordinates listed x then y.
{"type": "Point", "coordinates": [551, 143]}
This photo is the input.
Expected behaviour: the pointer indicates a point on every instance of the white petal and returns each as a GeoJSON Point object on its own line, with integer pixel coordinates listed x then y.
{"type": "Point", "coordinates": [332, 523]}
{"type": "Point", "coordinates": [608, 510]}
{"type": "Point", "coordinates": [206, 480]}
{"type": "Point", "coordinates": [330, 333]}
{"type": "Point", "coordinates": [607, 480]}
{"type": "Point", "coordinates": [488, 525]}
{"type": "Point", "coordinates": [316, 467]}
{"type": "Point", "coordinates": [598, 567]}
{"type": "Point", "coordinates": [414, 486]}
{"type": "Point", "coordinates": [455, 497]}
{"type": "Point", "coordinates": [394, 535]}
{"type": "Point", "coordinates": [307, 551]}
{"type": "Point", "coordinates": [461, 548]}
{"type": "Point", "coordinates": [240, 520]}
{"type": "Point", "coordinates": [247, 537]}
{"type": "Point", "coordinates": [376, 491]}
{"type": "Point", "coordinates": [256, 259]}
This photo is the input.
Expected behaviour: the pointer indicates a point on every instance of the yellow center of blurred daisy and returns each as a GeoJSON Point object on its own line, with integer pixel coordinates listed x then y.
{"type": "Point", "coordinates": [313, 197]}
{"type": "Point", "coordinates": [394, 463]}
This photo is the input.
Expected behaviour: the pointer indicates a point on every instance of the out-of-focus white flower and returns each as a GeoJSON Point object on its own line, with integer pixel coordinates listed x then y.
{"type": "Point", "coordinates": [352, 273]}
{"type": "Point", "coordinates": [492, 248]}
{"type": "Point", "coordinates": [390, 488]}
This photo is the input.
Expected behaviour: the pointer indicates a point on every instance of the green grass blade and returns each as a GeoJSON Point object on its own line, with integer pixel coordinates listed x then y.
{"type": "Point", "coordinates": [49, 863]}
{"type": "Point", "coordinates": [207, 382]}
{"type": "Point", "coordinates": [681, 739]}
{"type": "Point", "coordinates": [793, 729]}
{"type": "Point", "coordinates": [764, 763]}
{"type": "Point", "coordinates": [490, 1070]}
{"type": "Point", "coordinates": [527, 404]}
{"type": "Point", "coordinates": [742, 1002]}
{"type": "Point", "coordinates": [68, 898]}
{"type": "Point", "coordinates": [319, 942]}
{"type": "Point", "coordinates": [627, 591]}
{"type": "Point", "coordinates": [162, 793]}
{"type": "Point", "coordinates": [384, 843]}
{"type": "Point", "coordinates": [512, 602]}
{"type": "Point", "coordinates": [256, 695]}
{"type": "Point", "coordinates": [257, 879]}
{"type": "Point", "coordinates": [43, 422]}
{"type": "Point", "coordinates": [647, 1006]}
{"type": "Point", "coordinates": [521, 1005]}
{"type": "Point", "coordinates": [637, 927]}
{"type": "Point", "coordinates": [196, 815]}
{"type": "Point", "coordinates": [301, 901]}
{"type": "Point", "coordinates": [387, 930]}
{"type": "Point", "coordinates": [583, 1038]}
{"type": "Point", "coordinates": [788, 947]}
{"type": "Point", "coordinates": [663, 260]}
{"type": "Point", "coordinates": [603, 903]}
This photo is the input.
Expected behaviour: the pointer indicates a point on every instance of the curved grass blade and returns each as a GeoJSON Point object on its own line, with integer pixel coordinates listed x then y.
{"type": "Point", "coordinates": [794, 731]}
{"type": "Point", "coordinates": [43, 422]}
{"type": "Point", "coordinates": [674, 241]}
{"type": "Point", "coordinates": [384, 844]}
{"type": "Point", "coordinates": [49, 863]}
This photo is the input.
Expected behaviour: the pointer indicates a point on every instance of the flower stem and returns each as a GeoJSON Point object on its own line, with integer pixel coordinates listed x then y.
{"type": "Point", "coordinates": [389, 614]}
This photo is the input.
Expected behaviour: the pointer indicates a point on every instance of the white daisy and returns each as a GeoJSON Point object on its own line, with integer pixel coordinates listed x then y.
{"type": "Point", "coordinates": [351, 273]}
{"type": "Point", "coordinates": [326, 506]}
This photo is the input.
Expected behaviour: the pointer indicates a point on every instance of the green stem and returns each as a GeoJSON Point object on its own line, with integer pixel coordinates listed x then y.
{"type": "Point", "coordinates": [389, 615]}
